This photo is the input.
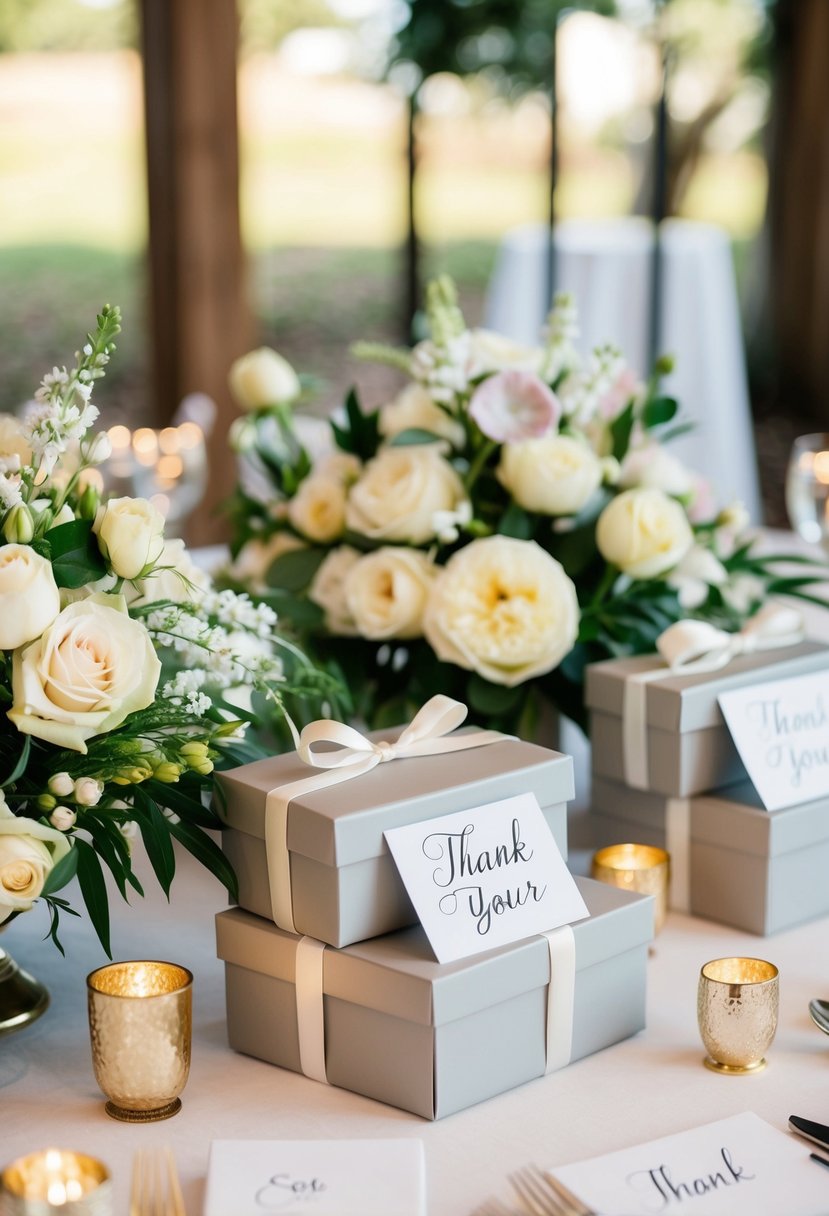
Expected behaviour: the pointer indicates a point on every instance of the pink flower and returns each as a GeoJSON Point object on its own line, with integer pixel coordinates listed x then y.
{"type": "Point", "coordinates": [703, 504]}
{"type": "Point", "coordinates": [617, 396]}
{"type": "Point", "coordinates": [514, 405]}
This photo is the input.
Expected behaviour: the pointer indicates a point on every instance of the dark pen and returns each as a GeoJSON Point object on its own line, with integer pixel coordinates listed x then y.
{"type": "Point", "coordinates": [822, 1160]}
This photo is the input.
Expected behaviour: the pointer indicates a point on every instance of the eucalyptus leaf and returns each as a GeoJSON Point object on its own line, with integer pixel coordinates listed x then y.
{"type": "Point", "coordinates": [658, 411]}
{"type": "Point", "coordinates": [294, 571]}
{"type": "Point", "coordinates": [62, 872]}
{"type": "Point", "coordinates": [413, 435]}
{"type": "Point", "coordinates": [492, 699]}
{"type": "Point", "coordinates": [516, 522]}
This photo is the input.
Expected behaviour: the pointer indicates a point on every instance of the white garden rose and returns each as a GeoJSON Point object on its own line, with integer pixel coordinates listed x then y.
{"type": "Point", "coordinates": [14, 447]}
{"type": "Point", "coordinates": [492, 352]}
{"type": "Point", "coordinates": [386, 593]}
{"type": "Point", "coordinates": [317, 510]}
{"type": "Point", "coordinates": [263, 378]}
{"type": "Point", "coordinates": [175, 577]}
{"type": "Point", "coordinates": [656, 469]}
{"type": "Point", "coordinates": [557, 475]}
{"type": "Point", "coordinates": [344, 466]}
{"type": "Point", "coordinates": [503, 608]}
{"type": "Point", "coordinates": [328, 590]}
{"type": "Point", "coordinates": [399, 493]}
{"type": "Point", "coordinates": [29, 596]}
{"type": "Point", "coordinates": [256, 557]}
{"type": "Point", "coordinates": [28, 852]}
{"type": "Point", "coordinates": [643, 532]}
{"type": "Point", "coordinates": [130, 535]}
{"type": "Point", "coordinates": [414, 409]}
{"type": "Point", "coordinates": [87, 671]}
{"type": "Point", "coordinates": [695, 575]}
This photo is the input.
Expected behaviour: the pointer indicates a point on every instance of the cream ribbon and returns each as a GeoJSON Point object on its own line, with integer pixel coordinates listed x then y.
{"type": "Point", "coordinates": [310, 1009]}
{"type": "Point", "coordinates": [561, 996]}
{"type": "Point", "coordinates": [691, 648]}
{"type": "Point", "coordinates": [310, 1013]}
{"type": "Point", "coordinates": [678, 844]}
{"type": "Point", "coordinates": [356, 754]}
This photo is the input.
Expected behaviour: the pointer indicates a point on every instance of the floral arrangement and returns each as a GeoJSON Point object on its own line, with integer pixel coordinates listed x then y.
{"type": "Point", "coordinates": [125, 675]}
{"type": "Point", "coordinates": [512, 515]}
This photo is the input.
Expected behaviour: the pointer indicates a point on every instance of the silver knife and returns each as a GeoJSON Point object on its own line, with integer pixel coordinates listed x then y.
{"type": "Point", "coordinates": [818, 1133]}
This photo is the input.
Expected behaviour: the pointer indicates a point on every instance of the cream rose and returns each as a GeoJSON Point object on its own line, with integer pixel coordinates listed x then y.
{"type": "Point", "coordinates": [328, 590]}
{"type": "Point", "coordinates": [29, 596]}
{"type": "Point", "coordinates": [88, 670]}
{"type": "Point", "coordinates": [263, 378]}
{"type": "Point", "coordinates": [643, 532]}
{"type": "Point", "coordinates": [130, 535]}
{"type": "Point", "coordinates": [317, 510]}
{"type": "Point", "coordinates": [386, 593]}
{"type": "Point", "coordinates": [14, 448]}
{"type": "Point", "coordinates": [176, 577]}
{"type": "Point", "coordinates": [400, 492]}
{"type": "Point", "coordinates": [503, 608]}
{"type": "Point", "coordinates": [413, 408]}
{"type": "Point", "coordinates": [655, 469]}
{"type": "Point", "coordinates": [28, 852]}
{"type": "Point", "coordinates": [256, 557]}
{"type": "Point", "coordinates": [492, 352]}
{"type": "Point", "coordinates": [557, 475]}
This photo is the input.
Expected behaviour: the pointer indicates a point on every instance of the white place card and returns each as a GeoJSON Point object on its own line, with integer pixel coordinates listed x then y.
{"type": "Point", "coordinates": [781, 730]}
{"type": "Point", "coordinates": [739, 1166]}
{"type": "Point", "coordinates": [316, 1178]}
{"type": "Point", "coordinates": [485, 877]}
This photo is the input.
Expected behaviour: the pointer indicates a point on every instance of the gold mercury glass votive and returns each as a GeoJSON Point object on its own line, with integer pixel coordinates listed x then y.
{"type": "Point", "coordinates": [737, 1001]}
{"type": "Point", "coordinates": [636, 867]}
{"type": "Point", "coordinates": [140, 1023]}
{"type": "Point", "coordinates": [55, 1181]}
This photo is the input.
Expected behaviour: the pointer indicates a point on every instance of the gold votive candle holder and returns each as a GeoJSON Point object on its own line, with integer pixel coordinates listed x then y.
{"type": "Point", "coordinates": [56, 1182]}
{"type": "Point", "coordinates": [140, 1024]}
{"type": "Point", "coordinates": [737, 1003]}
{"type": "Point", "coordinates": [637, 867]}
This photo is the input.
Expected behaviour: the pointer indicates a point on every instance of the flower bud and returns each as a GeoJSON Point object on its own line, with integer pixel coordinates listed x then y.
{"type": "Point", "coordinates": [88, 791]}
{"type": "Point", "coordinates": [61, 784]}
{"type": "Point", "coordinates": [89, 503]}
{"type": "Point", "coordinates": [100, 449]}
{"type": "Point", "coordinates": [46, 802]}
{"type": "Point", "coordinates": [62, 818]}
{"type": "Point", "coordinates": [19, 527]}
{"type": "Point", "coordinates": [242, 435]}
{"type": "Point", "coordinates": [193, 752]}
{"type": "Point", "coordinates": [203, 768]}
{"type": "Point", "coordinates": [167, 772]}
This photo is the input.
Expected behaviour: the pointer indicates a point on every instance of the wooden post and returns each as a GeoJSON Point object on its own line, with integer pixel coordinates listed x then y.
{"type": "Point", "coordinates": [200, 318]}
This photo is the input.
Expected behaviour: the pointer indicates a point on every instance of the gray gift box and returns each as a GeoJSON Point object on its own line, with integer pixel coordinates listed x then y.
{"type": "Point", "coordinates": [434, 1039]}
{"type": "Point", "coordinates": [688, 744]}
{"type": "Point", "coordinates": [762, 871]}
{"type": "Point", "coordinates": [344, 883]}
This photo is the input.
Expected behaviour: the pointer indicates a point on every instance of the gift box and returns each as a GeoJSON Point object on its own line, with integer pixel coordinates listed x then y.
{"type": "Point", "coordinates": [675, 741]}
{"type": "Point", "coordinates": [432, 1039]}
{"type": "Point", "coordinates": [731, 861]}
{"type": "Point", "coordinates": [343, 881]}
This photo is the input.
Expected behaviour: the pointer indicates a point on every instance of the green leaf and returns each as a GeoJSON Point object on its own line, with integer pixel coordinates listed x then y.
{"type": "Point", "coordinates": [302, 613]}
{"type": "Point", "coordinates": [179, 800]}
{"type": "Point", "coordinates": [294, 571]}
{"type": "Point", "coordinates": [62, 873]}
{"type": "Point", "coordinates": [621, 429]}
{"type": "Point", "coordinates": [22, 760]}
{"type": "Point", "coordinates": [94, 891]}
{"type": "Point", "coordinates": [102, 833]}
{"type": "Point", "coordinates": [209, 854]}
{"type": "Point", "coordinates": [76, 558]}
{"type": "Point", "coordinates": [413, 435]}
{"type": "Point", "coordinates": [155, 831]}
{"type": "Point", "coordinates": [658, 411]}
{"type": "Point", "coordinates": [516, 522]}
{"type": "Point", "coordinates": [492, 699]}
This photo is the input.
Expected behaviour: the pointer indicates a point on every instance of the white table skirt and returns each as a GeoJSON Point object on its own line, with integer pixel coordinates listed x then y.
{"type": "Point", "coordinates": [647, 1087]}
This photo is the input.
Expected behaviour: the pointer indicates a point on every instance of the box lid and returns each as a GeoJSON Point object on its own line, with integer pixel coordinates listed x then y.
{"type": "Point", "coordinates": [684, 703]}
{"type": "Point", "coordinates": [345, 823]}
{"type": "Point", "coordinates": [398, 975]}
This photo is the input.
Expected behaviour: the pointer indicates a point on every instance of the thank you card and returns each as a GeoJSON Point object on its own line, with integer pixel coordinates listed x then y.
{"type": "Point", "coordinates": [781, 730]}
{"type": "Point", "coordinates": [485, 877]}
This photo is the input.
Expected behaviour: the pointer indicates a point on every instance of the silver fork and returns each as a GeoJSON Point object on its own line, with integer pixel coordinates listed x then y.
{"type": "Point", "coordinates": [494, 1207]}
{"type": "Point", "coordinates": [155, 1189]}
{"type": "Point", "coordinates": [543, 1195]}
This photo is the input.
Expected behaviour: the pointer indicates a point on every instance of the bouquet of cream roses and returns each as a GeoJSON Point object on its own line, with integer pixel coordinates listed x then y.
{"type": "Point", "coordinates": [125, 675]}
{"type": "Point", "coordinates": [510, 516]}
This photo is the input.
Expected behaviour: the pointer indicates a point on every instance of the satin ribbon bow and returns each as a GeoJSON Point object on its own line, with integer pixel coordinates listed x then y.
{"type": "Point", "coordinates": [355, 754]}
{"type": "Point", "coordinates": [692, 648]}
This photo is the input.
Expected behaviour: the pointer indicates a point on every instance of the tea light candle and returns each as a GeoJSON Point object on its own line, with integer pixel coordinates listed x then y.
{"type": "Point", "coordinates": [55, 1181]}
{"type": "Point", "coordinates": [636, 867]}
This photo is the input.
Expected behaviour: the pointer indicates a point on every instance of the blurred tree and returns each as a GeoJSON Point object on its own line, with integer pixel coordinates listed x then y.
{"type": "Point", "coordinates": [266, 23]}
{"type": "Point", "coordinates": [66, 25]}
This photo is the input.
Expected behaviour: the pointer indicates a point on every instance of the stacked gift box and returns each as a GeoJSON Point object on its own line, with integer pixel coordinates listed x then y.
{"type": "Point", "coordinates": [666, 772]}
{"type": "Point", "coordinates": [353, 975]}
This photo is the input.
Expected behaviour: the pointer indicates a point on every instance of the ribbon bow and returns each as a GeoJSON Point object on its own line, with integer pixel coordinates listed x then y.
{"type": "Point", "coordinates": [691, 648]}
{"type": "Point", "coordinates": [355, 754]}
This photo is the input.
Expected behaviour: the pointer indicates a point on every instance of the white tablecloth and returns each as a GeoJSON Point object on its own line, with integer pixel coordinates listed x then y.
{"type": "Point", "coordinates": [606, 264]}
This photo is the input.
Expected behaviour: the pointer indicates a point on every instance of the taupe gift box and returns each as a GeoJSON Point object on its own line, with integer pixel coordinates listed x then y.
{"type": "Point", "coordinates": [345, 885]}
{"type": "Point", "coordinates": [434, 1039]}
{"type": "Point", "coordinates": [689, 749]}
{"type": "Point", "coordinates": [762, 871]}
